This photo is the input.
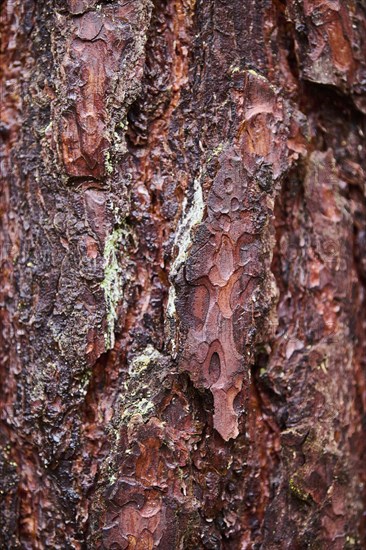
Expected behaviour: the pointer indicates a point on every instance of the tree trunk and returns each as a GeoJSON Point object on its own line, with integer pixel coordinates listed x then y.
{"type": "Point", "coordinates": [183, 254]}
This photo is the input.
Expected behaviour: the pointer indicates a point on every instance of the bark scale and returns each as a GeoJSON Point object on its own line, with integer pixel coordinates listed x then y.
{"type": "Point", "coordinates": [183, 274]}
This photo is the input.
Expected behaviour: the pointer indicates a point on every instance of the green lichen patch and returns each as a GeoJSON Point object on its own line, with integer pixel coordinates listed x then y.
{"type": "Point", "coordinates": [108, 163]}
{"type": "Point", "coordinates": [143, 360]}
{"type": "Point", "coordinates": [139, 408]}
{"type": "Point", "coordinates": [137, 399]}
{"type": "Point", "coordinates": [112, 283]}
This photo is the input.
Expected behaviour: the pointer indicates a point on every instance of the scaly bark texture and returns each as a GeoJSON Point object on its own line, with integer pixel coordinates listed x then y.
{"type": "Point", "coordinates": [183, 251]}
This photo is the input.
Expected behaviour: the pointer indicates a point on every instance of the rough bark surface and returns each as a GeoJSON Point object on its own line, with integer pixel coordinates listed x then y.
{"type": "Point", "coordinates": [183, 249]}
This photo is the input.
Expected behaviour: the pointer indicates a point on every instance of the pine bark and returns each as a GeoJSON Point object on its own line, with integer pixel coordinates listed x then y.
{"type": "Point", "coordinates": [183, 249]}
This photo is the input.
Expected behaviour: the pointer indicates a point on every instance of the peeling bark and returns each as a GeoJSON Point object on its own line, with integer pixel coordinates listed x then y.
{"type": "Point", "coordinates": [183, 251]}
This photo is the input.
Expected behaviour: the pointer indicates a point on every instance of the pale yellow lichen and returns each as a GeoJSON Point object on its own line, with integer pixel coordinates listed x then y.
{"type": "Point", "coordinates": [112, 283]}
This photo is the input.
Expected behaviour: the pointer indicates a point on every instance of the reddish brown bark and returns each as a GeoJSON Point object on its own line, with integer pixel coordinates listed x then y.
{"type": "Point", "coordinates": [183, 274]}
